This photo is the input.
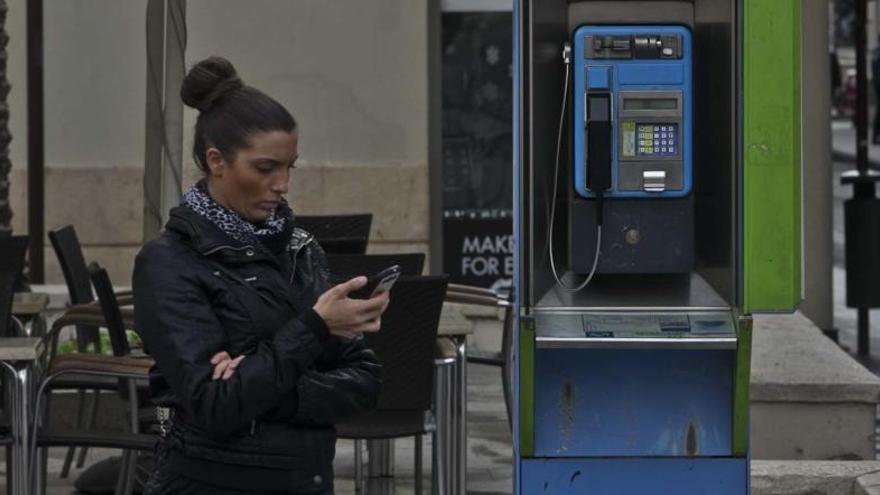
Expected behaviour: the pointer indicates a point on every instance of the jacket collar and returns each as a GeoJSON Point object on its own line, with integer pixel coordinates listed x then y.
{"type": "Point", "coordinates": [201, 233]}
{"type": "Point", "coordinates": [208, 239]}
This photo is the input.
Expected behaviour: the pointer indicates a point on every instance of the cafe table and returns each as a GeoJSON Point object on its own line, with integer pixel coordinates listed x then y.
{"type": "Point", "coordinates": [20, 356]}
{"type": "Point", "coordinates": [29, 308]}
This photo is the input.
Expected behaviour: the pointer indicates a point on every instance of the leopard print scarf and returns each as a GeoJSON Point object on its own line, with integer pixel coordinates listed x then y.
{"type": "Point", "coordinates": [277, 228]}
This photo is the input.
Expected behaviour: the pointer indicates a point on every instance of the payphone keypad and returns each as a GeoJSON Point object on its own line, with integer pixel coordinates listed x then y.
{"type": "Point", "coordinates": [658, 139]}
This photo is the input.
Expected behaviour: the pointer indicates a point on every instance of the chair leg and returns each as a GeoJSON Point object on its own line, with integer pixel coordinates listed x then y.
{"type": "Point", "coordinates": [417, 471]}
{"type": "Point", "coordinates": [93, 422]}
{"type": "Point", "coordinates": [9, 487]}
{"type": "Point", "coordinates": [435, 464]}
{"type": "Point", "coordinates": [131, 467]}
{"type": "Point", "coordinates": [68, 461]}
{"type": "Point", "coordinates": [123, 485]}
{"type": "Point", "coordinates": [43, 469]}
{"type": "Point", "coordinates": [358, 466]}
{"type": "Point", "coordinates": [41, 459]}
{"type": "Point", "coordinates": [80, 423]}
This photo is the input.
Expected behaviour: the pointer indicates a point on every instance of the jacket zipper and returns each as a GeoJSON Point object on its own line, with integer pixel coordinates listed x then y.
{"type": "Point", "coordinates": [218, 248]}
{"type": "Point", "coordinates": [232, 248]}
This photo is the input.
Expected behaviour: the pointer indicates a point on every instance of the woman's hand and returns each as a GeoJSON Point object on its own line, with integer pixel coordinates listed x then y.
{"type": "Point", "coordinates": [343, 316]}
{"type": "Point", "coordinates": [224, 365]}
{"type": "Point", "coordinates": [347, 317]}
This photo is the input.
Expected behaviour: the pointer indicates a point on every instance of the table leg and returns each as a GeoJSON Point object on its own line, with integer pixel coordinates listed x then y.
{"type": "Point", "coordinates": [20, 409]}
{"type": "Point", "coordinates": [453, 437]}
{"type": "Point", "coordinates": [440, 473]}
{"type": "Point", "coordinates": [461, 419]}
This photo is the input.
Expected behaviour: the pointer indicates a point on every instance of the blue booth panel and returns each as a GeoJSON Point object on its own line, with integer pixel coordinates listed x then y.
{"type": "Point", "coordinates": [702, 476]}
{"type": "Point", "coordinates": [633, 402]}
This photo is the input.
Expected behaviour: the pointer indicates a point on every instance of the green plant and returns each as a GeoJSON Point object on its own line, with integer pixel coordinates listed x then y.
{"type": "Point", "coordinates": [69, 346]}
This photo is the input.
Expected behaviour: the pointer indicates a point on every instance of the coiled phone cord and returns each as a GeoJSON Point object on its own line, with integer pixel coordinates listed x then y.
{"type": "Point", "coordinates": [566, 57]}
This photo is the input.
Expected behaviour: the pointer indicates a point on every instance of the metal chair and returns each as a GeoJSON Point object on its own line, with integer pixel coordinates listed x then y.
{"type": "Point", "coordinates": [345, 266]}
{"type": "Point", "coordinates": [125, 371]}
{"type": "Point", "coordinates": [503, 358]}
{"type": "Point", "coordinates": [405, 346]}
{"type": "Point", "coordinates": [122, 368]}
{"type": "Point", "coordinates": [340, 234]}
{"type": "Point", "coordinates": [68, 250]}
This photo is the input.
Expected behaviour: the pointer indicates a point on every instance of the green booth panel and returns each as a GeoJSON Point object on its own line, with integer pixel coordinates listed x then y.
{"type": "Point", "coordinates": [771, 178]}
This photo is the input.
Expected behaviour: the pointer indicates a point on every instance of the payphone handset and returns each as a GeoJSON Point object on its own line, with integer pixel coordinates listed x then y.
{"type": "Point", "coordinates": [633, 106]}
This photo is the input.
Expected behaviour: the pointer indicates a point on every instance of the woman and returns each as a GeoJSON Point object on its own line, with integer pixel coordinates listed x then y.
{"type": "Point", "coordinates": [256, 356]}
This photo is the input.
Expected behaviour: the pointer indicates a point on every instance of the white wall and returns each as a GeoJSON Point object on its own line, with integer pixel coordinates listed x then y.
{"type": "Point", "coordinates": [94, 82]}
{"type": "Point", "coordinates": [352, 72]}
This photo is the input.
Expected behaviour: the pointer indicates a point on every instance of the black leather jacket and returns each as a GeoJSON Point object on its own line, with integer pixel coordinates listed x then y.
{"type": "Point", "coordinates": [269, 427]}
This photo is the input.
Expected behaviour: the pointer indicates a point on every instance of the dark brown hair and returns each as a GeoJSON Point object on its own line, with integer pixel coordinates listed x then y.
{"type": "Point", "coordinates": [229, 111]}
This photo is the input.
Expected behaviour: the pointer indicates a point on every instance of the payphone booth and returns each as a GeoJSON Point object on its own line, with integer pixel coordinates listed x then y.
{"type": "Point", "coordinates": [658, 205]}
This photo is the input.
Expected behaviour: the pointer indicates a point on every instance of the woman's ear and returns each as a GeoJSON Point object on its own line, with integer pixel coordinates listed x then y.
{"type": "Point", "coordinates": [216, 162]}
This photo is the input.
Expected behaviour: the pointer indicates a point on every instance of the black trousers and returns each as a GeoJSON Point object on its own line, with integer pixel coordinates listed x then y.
{"type": "Point", "coordinates": [164, 482]}
{"type": "Point", "coordinates": [177, 485]}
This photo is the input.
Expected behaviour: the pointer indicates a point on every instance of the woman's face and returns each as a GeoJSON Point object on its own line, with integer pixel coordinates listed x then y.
{"type": "Point", "coordinates": [252, 182]}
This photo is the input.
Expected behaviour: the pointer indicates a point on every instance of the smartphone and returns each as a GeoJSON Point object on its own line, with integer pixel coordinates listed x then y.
{"type": "Point", "coordinates": [378, 283]}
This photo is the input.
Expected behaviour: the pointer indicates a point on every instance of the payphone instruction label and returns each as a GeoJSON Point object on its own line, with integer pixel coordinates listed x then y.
{"type": "Point", "coordinates": [684, 325]}
{"type": "Point", "coordinates": [629, 138]}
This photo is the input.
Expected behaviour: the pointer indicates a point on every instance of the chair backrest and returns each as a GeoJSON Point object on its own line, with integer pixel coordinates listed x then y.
{"type": "Point", "coordinates": [110, 309]}
{"type": "Point", "coordinates": [405, 345]}
{"type": "Point", "coordinates": [347, 234]}
{"type": "Point", "coordinates": [76, 275]}
{"type": "Point", "coordinates": [12, 253]}
{"type": "Point", "coordinates": [345, 266]}
{"type": "Point", "coordinates": [73, 264]}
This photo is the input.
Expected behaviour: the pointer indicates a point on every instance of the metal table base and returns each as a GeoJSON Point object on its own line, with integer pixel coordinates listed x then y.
{"type": "Point", "coordinates": [450, 437]}
{"type": "Point", "coordinates": [19, 403]}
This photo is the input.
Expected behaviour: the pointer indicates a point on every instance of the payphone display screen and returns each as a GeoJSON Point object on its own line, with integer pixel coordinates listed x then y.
{"type": "Point", "coordinates": [650, 103]}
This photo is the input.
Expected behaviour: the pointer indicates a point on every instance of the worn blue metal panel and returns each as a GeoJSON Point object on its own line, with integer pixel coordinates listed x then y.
{"type": "Point", "coordinates": [633, 402]}
{"type": "Point", "coordinates": [683, 476]}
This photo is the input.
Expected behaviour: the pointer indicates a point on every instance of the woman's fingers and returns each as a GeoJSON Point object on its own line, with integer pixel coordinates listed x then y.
{"type": "Point", "coordinates": [371, 308]}
{"type": "Point", "coordinates": [230, 369]}
{"type": "Point", "coordinates": [372, 325]}
{"type": "Point", "coordinates": [220, 356]}
{"type": "Point", "coordinates": [347, 317]}
{"type": "Point", "coordinates": [344, 288]}
{"type": "Point", "coordinates": [224, 365]}
{"type": "Point", "coordinates": [219, 368]}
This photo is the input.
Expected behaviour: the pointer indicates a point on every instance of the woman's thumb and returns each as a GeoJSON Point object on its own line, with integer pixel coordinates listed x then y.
{"type": "Point", "coordinates": [352, 285]}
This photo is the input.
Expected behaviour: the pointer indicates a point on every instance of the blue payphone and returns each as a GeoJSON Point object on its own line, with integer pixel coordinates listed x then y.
{"type": "Point", "coordinates": [633, 106]}
{"type": "Point", "coordinates": [632, 124]}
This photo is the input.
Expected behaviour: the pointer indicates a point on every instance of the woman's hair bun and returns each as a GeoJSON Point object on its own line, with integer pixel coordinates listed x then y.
{"type": "Point", "coordinates": [208, 81]}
